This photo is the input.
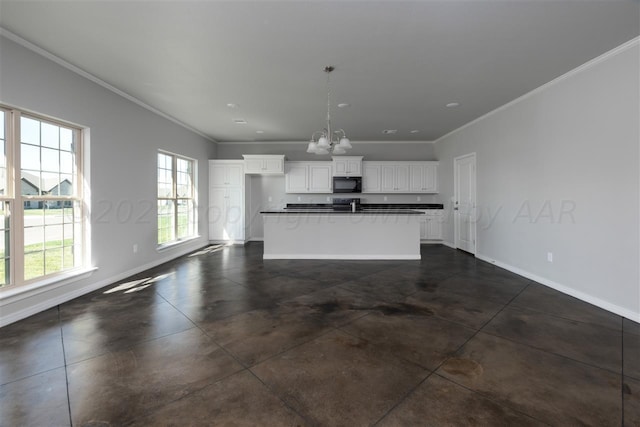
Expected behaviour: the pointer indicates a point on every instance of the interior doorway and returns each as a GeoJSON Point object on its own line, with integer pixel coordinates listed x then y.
{"type": "Point", "coordinates": [464, 210]}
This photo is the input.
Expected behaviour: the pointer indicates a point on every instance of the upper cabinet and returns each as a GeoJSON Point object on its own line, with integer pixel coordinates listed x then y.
{"type": "Point", "coordinates": [308, 177]}
{"type": "Point", "coordinates": [347, 166]}
{"type": "Point", "coordinates": [226, 173]}
{"type": "Point", "coordinates": [395, 177]}
{"type": "Point", "coordinates": [264, 164]}
{"type": "Point", "coordinates": [371, 181]}
{"type": "Point", "coordinates": [400, 177]}
{"type": "Point", "coordinates": [423, 177]}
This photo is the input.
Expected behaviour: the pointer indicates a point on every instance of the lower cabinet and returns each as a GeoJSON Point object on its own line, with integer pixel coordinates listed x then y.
{"type": "Point", "coordinates": [431, 227]}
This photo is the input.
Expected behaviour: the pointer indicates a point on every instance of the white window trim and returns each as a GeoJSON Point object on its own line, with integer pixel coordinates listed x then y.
{"type": "Point", "coordinates": [61, 278]}
{"type": "Point", "coordinates": [160, 247]}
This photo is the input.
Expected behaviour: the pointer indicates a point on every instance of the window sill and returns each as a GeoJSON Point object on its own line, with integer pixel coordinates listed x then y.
{"type": "Point", "coordinates": [47, 284]}
{"type": "Point", "coordinates": [175, 244]}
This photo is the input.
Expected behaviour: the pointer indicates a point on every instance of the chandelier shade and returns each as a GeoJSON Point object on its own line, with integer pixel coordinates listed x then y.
{"type": "Point", "coordinates": [328, 140]}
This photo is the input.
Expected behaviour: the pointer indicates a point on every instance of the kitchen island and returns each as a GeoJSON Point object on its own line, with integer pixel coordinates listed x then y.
{"type": "Point", "coordinates": [328, 234]}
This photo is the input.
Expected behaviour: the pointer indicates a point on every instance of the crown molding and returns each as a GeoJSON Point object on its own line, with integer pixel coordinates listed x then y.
{"type": "Point", "coordinates": [306, 142]}
{"type": "Point", "coordinates": [635, 42]}
{"type": "Point", "coordinates": [42, 52]}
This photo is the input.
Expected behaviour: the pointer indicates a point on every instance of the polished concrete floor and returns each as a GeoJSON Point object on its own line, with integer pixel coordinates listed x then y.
{"type": "Point", "coordinates": [225, 338]}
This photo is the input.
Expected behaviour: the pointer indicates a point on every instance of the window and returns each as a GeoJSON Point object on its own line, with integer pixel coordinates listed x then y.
{"type": "Point", "coordinates": [176, 198]}
{"type": "Point", "coordinates": [41, 205]}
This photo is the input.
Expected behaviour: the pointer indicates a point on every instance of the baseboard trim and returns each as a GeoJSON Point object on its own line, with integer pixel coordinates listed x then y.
{"type": "Point", "coordinates": [449, 244]}
{"type": "Point", "coordinates": [350, 257]}
{"type": "Point", "coordinates": [228, 242]}
{"type": "Point", "coordinates": [605, 305]}
{"type": "Point", "coordinates": [431, 242]}
{"type": "Point", "coordinates": [8, 318]}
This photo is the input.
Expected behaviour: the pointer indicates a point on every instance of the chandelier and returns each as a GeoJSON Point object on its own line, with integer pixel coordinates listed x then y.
{"type": "Point", "coordinates": [327, 140]}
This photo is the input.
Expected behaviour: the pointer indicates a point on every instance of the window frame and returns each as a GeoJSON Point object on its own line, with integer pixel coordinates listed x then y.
{"type": "Point", "coordinates": [15, 200]}
{"type": "Point", "coordinates": [175, 198]}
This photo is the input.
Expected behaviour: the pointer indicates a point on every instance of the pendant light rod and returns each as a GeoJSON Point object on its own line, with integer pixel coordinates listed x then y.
{"type": "Point", "coordinates": [329, 141]}
{"type": "Point", "coordinates": [328, 69]}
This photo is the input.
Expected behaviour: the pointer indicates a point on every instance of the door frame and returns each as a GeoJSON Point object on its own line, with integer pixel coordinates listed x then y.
{"type": "Point", "coordinates": [475, 197]}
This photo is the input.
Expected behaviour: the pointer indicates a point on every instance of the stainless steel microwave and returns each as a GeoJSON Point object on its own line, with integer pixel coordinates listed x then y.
{"type": "Point", "coordinates": [347, 184]}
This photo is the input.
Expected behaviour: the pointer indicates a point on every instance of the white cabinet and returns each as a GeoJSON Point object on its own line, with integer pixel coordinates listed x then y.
{"type": "Point", "coordinates": [225, 173]}
{"type": "Point", "coordinates": [226, 212]}
{"type": "Point", "coordinates": [371, 179]}
{"type": "Point", "coordinates": [320, 179]}
{"type": "Point", "coordinates": [423, 177]}
{"type": "Point", "coordinates": [264, 164]}
{"type": "Point", "coordinates": [308, 177]}
{"type": "Point", "coordinates": [347, 166]}
{"type": "Point", "coordinates": [395, 177]}
{"type": "Point", "coordinates": [399, 177]}
{"type": "Point", "coordinates": [296, 177]}
{"type": "Point", "coordinates": [431, 227]}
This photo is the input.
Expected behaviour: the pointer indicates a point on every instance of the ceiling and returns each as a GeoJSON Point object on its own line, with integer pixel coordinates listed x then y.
{"type": "Point", "coordinates": [397, 63]}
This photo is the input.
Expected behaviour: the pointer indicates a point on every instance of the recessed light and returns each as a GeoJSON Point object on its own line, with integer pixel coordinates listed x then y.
{"type": "Point", "coordinates": [240, 121]}
{"type": "Point", "coordinates": [452, 104]}
{"type": "Point", "coordinates": [415, 131]}
{"type": "Point", "coordinates": [344, 105]}
{"type": "Point", "coordinates": [390, 131]}
{"type": "Point", "coordinates": [259, 131]}
{"type": "Point", "coordinates": [232, 105]}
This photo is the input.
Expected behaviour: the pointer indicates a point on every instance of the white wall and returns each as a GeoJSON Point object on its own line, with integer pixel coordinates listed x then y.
{"type": "Point", "coordinates": [572, 145]}
{"type": "Point", "coordinates": [124, 141]}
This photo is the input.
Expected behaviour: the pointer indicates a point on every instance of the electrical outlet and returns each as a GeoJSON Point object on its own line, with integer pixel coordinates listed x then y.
{"type": "Point", "coordinates": [135, 248]}
{"type": "Point", "coordinates": [328, 199]}
{"type": "Point", "coordinates": [550, 256]}
{"type": "Point", "coordinates": [299, 198]}
{"type": "Point", "coordinates": [418, 198]}
{"type": "Point", "coordinates": [384, 198]}
{"type": "Point", "coordinates": [270, 199]}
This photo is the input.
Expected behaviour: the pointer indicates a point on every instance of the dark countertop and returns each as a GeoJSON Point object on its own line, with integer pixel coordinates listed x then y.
{"type": "Point", "coordinates": [385, 206]}
{"type": "Point", "coordinates": [343, 212]}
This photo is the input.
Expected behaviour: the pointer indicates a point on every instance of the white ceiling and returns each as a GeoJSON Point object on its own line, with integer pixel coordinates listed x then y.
{"type": "Point", "coordinates": [397, 63]}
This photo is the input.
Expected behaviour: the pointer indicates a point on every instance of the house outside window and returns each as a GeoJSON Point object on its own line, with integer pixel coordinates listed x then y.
{"type": "Point", "coordinates": [176, 198]}
{"type": "Point", "coordinates": [42, 206]}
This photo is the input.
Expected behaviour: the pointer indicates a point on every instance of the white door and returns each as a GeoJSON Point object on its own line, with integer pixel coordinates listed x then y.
{"type": "Point", "coordinates": [371, 178]}
{"type": "Point", "coordinates": [416, 178]}
{"type": "Point", "coordinates": [235, 175]}
{"type": "Point", "coordinates": [234, 215]}
{"type": "Point", "coordinates": [388, 173]}
{"type": "Point", "coordinates": [320, 180]}
{"type": "Point", "coordinates": [430, 178]}
{"type": "Point", "coordinates": [354, 168]}
{"type": "Point", "coordinates": [296, 178]}
{"type": "Point", "coordinates": [273, 165]}
{"type": "Point", "coordinates": [216, 213]}
{"type": "Point", "coordinates": [339, 167]}
{"type": "Point", "coordinates": [465, 202]}
{"type": "Point", "coordinates": [402, 178]}
{"type": "Point", "coordinates": [253, 165]}
{"type": "Point", "coordinates": [217, 175]}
